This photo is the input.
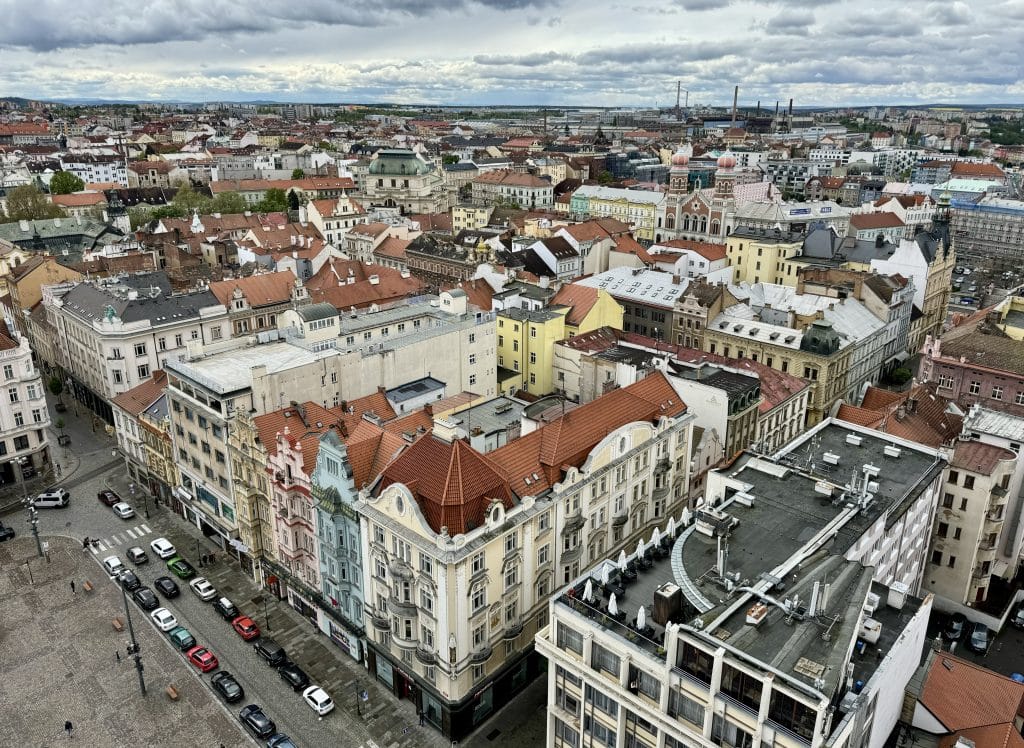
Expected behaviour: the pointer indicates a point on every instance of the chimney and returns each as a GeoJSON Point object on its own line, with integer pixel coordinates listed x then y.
{"type": "Point", "coordinates": [292, 239]}
{"type": "Point", "coordinates": [735, 98]}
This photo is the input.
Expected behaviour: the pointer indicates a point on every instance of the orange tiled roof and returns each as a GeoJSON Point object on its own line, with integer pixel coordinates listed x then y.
{"type": "Point", "coordinates": [963, 695]}
{"type": "Point", "coordinates": [979, 457]}
{"type": "Point", "coordinates": [579, 299]}
{"type": "Point", "coordinates": [79, 199]}
{"type": "Point", "coordinates": [706, 250]}
{"type": "Point", "coordinates": [868, 221]}
{"type": "Point", "coordinates": [265, 288]}
{"type": "Point", "coordinates": [140, 397]}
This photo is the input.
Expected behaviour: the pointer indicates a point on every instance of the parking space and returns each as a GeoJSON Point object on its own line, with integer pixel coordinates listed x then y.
{"type": "Point", "coordinates": [1005, 653]}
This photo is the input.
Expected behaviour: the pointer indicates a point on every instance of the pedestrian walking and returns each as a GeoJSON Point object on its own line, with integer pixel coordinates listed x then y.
{"type": "Point", "coordinates": [68, 727]}
{"type": "Point", "coordinates": [72, 586]}
{"type": "Point", "coordinates": [423, 719]}
{"type": "Point", "coordinates": [85, 543]}
{"type": "Point", "coordinates": [117, 654]}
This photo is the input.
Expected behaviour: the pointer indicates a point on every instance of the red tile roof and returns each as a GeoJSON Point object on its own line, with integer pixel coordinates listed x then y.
{"type": "Point", "coordinates": [979, 457]}
{"type": "Point", "coordinates": [140, 397]}
{"type": "Point", "coordinates": [918, 415]}
{"type": "Point", "coordinates": [868, 221]}
{"type": "Point", "coordinates": [963, 696]}
{"type": "Point", "coordinates": [259, 290]}
{"type": "Point", "coordinates": [579, 299]}
{"type": "Point", "coordinates": [331, 284]}
{"type": "Point", "coordinates": [511, 178]}
{"type": "Point", "coordinates": [478, 291]}
{"type": "Point", "coordinates": [706, 250]}
{"type": "Point", "coordinates": [970, 170]}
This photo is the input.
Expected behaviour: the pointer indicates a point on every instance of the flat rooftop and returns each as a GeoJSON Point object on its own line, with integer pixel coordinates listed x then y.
{"type": "Point", "coordinates": [416, 388]}
{"type": "Point", "coordinates": [494, 415]}
{"type": "Point", "coordinates": [231, 370]}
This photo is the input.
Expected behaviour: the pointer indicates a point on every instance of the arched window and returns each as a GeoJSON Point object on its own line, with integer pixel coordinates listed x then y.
{"type": "Point", "coordinates": [686, 222]}
{"type": "Point", "coordinates": [670, 221]}
{"type": "Point", "coordinates": [703, 224]}
{"type": "Point", "coordinates": [714, 228]}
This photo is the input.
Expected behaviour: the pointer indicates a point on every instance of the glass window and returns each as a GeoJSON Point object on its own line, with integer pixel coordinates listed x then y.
{"type": "Point", "coordinates": [696, 662]}
{"type": "Point", "coordinates": [682, 706]}
{"type": "Point", "coordinates": [604, 659]}
{"type": "Point", "coordinates": [795, 716]}
{"type": "Point", "coordinates": [570, 639]}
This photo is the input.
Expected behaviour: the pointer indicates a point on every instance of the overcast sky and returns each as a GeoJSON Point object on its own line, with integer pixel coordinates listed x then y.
{"type": "Point", "coordinates": [597, 52]}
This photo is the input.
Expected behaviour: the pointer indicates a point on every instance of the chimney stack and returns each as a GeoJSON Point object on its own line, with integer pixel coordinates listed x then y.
{"type": "Point", "coordinates": [735, 98]}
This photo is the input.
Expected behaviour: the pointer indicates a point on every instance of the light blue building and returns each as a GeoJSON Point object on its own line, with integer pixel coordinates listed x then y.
{"type": "Point", "coordinates": [337, 523]}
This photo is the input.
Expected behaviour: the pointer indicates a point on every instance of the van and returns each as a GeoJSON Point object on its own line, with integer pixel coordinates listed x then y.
{"type": "Point", "coordinates": [270, 651]}
{"type": "Point", "coordinates": [52, 498]}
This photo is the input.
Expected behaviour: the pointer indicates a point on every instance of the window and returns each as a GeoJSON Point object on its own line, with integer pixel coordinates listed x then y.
{"type": "Point", "coordinates": [997, 393]}
{"type": "Point", "coordinates": [696, 662]}
{"type": "Point", "coordinates": [426, 565]}
{"type": "Point", "coordinates": [975, 388]}
{"type": "Point", "coordinates": [177, 341]}
{"type": "Point", "coordinates": [162, 344]}
{"type": "Point", "coordinates": [943, 529]}
{"type": "Point", "coordinates": [543, 522]}
{"type": "Point", "coordinates": [1019, 399]}
{"type": "Point", "coordinates": [600, 735]}
{"type": "Point", "coordinates": [570, 639]}
{"type": "Point", "coordinates": [480, 635]}
{"type": "Point", "coordinates": [727, 734]}
{"type": "Point", "coordinates": [968, 482]}
{"type": "Point", "coordinates": [741, 686]}
{"type": "Point", "coordinates": [511, 542]}
{"type": "Point", "coordinates": [601, 701]}
{"type": "Point", "coordinates": [792, 714]}
{"type": "Point", "coordinates": [511, 576]}
{"type": "Point", "coordinates": [682, 706]}
{"type": "Point", "coordinates": [472, 378]}
{"type": "Point", "coordinates": [946, 381]}
{"type": "Point", "coordinates": [566, 734]}
{"type": "Point", "coordinates": [143, 371]}
{"type": "Point", "coordinates": [956, 533]}
{"type": "Point", "coordinates": [472, 337]}
{"type": "Point", "coordinates": [533, 331]}
{"type": "Point", "coordinates": [12, 393]}
{"type": "Point", "coordinates": [954, 477]}
{"type": "Point", "coordinates": [937, 558]}
{"type": "Point", "coordinates": [378, 534]}
{"type": "Point", "coordinates": [19, 419]}
{"type": "Point", "coordinates": [533, 357]}
{"type": "Point", "coordinates": [8, 371]}
{"type": "Point", "coordinates": [645, 683]}
{"type": "Point", "coordinates": [963, 504]}
{"type": "Point", "coordinates": [140, 349]}
{"type": "Point", "coordinates": [478, 598]}
{"type": "Point", "coordinates": [811, 373]}
{"type": "Point", "coordinates": [604, 660]}
{"type": "Point", "coordinates": [427, 600]}
{"type": "Point", "coordinates": [37, 415]}
{"type": "Point", "coordinates": [947, 501]}
{"type": "Point", "coordinates": [543, 554]}
{"type": "Point", "coordinates": [476, 564]}
{"type": "Point", "coordinates": [380, 569]}
{"type": "Point", "coordinates": [952, 562]}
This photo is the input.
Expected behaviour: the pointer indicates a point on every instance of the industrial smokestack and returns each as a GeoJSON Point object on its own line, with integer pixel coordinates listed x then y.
{"type": "Point", "coordinates": [758, 109]}
{"type": "Point", "coordinates": [735, 98]}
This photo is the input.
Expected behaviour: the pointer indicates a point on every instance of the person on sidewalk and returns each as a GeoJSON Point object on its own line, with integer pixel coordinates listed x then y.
{"type": "Point", "coordinates": [68, 727]}
{"type": "Point", "coordinates": [72, 586]}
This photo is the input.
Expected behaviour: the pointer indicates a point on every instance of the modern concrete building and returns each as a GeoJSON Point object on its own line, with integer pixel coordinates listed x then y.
{"type": "Point", "coordinates": [783, 612]}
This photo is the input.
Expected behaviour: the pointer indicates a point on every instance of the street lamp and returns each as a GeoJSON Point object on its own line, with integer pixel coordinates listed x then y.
{"type": "Point", "coordinates": [133, 647]}
{"type": "Point", "coordinates": [33, 513]}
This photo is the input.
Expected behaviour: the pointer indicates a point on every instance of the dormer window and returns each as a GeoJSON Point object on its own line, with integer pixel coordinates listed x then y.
{"type": "Point", "coordinates": [240, 304]}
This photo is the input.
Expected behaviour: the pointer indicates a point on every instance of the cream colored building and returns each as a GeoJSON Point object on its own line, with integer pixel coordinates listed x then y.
{"type": "Point", "coordinates": [462, 550]}
{"type": "Point", "coordinates": [469, 217]}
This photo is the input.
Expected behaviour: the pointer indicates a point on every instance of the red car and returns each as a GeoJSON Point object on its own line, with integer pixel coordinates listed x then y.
{"type": "Point", "coordinates": [246, 627]}
{"type": "Point", "coordinates": [202, 658]}
{"type": "Point", "coordinates": [108, 497]}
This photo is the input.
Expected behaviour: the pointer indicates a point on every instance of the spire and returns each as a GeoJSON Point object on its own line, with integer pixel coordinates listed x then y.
{"type": "Point", "coordinates": [197, 225]}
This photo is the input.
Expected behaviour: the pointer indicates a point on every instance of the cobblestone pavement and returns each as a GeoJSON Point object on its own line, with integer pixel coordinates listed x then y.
{"type": "Point", "coordinates": [57, 656]}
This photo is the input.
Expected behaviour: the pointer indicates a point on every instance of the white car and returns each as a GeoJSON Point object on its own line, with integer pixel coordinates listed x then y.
{"type": "Point", "coordinates": [162, 547]}
{"type": "Point", "coordinates": [318, 700]}
{"type": "Point", "coordinates": [113, 566]}
{"type": "Point", "coordinates": [123, 510]}
{"type": "Point", "coordinates": [164, 619]}
{"type": "Point", "coordinates": [202, 587]}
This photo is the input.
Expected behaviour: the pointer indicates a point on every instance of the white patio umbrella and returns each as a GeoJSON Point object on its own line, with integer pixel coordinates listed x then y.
{"type": "Point", "coordinates": [588, 591]}
{"type": "Point", "coordinates": [641, 618]}
{"type": "Point", "coordinates": [605, 575]}
{"type": "Point", "coordinates": [686, 516]}
{"type": "Point", "coordinates": [670, 530]}
{"type": "Point", "coordinates": [656, 537]}
{"type": "Point", "coordinates": [639, 549]}
{"type": "Point", "coordinates": [613, 606]}
{"type": "Point", "coordinates": [622, 560]}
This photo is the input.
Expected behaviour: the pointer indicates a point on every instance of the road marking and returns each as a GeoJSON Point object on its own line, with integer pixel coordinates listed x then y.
{"type": "Point", "coordinates": [95, 550]}
{"type": "Point", "coordinates": [146, 528]}
{"type": "Point", "coordinates": [131, 533]}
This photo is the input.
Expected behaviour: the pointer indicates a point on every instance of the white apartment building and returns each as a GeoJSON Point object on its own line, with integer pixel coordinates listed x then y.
{"type": "Point", "coordinates": [24, 418]}
{"type": "Point", "coordinates": [782, 613]}
{"type": "Point", "coordinates": [462, 549]}
{"type": "Point", "coordinates": [113, 334]}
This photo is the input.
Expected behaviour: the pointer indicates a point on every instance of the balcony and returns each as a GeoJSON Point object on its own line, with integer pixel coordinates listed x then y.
{"type": "Point", "coordinates": [426, 656]}
{"type": "Point", "coordinates": [407, 608]}
{"type": "Point", "coordinates": [993, 521]}
{"type": "Point", "coordinates": [381, 622]}
{"type": "Point", "coordinates": [980, 572]}
{"type": "Point", "coordinates": [481, 654]}
{"type": "Point", "coordinates": [512, 630]}
{"type": "Point", "coordinates": [573, 522]}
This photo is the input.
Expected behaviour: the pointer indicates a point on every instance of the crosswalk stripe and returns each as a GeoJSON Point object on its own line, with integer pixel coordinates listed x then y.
{"type": "Point", "coordinates": [95, 550]}
{"type": "Point", "coordinates": [102, 547]}
{"type": "Point", "coordinates": [146, 528]}
{"type": "Point", "coordinates": [131, 532]}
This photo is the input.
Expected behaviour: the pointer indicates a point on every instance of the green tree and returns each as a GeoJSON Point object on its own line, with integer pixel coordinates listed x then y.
{"type": "Point", "coordinates": [901, 375]}
{"type": "Point", "coordinates": [228, 202]}
{"type": "Point", "coordinates": [293, 200]}
{"type": "Point", "coordinates": [298, 173]}
{"type": "Point", "coordinates": [188, 200]}
{"type": "Point", "coordinates": [449, 159]}
{"type": "Point", "coordinates": [274, 201]}
{"type": "Point", "coordinates": [27, 203]}
{"type": "Point", "coordinates": [605, 177]}
{"type": "Point", "coordinates": [66, 182]}
{"type": "Point", "coordinates": [56, 387]}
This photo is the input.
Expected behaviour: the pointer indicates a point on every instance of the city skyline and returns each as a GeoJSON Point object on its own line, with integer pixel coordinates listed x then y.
{"type": "Point", "coordinates": [544, 52]}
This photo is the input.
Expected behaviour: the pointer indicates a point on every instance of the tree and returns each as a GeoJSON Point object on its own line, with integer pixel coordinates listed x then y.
{"type": "Point", "coordinates": [449, 159]}
{"type": "Point", "coordinates": [228, 202]}
{"type": "Point", "coordinates": [27, 203]}
{"type": "Point", "coordinates": [274, 201]}
{"type": "Point", "coordinates": [66, 182]}
{"type": "Point", "coordinates": [605, 177]}
{"type": "Point", "coordinates": [901, 375]}
{"type": "Point", "coordinates": [187, 200]}
{"type": "Point", "coordinates": [298, 173]}
{"type": "Point", "coordinates": [293, 200]}
{"type": "Point", "coordinates": [56, 387]}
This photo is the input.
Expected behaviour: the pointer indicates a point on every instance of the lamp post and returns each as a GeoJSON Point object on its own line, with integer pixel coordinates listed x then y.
{"type": "Point", "coordinates": [133, 647]}
{"type": "Point", "coordinates": [33, 513]}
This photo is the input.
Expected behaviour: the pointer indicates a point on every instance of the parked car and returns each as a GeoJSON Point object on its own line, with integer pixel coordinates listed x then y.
{"type": "Point", "coordinates": [256, 722]}
{"type": "Point", "coordinates": [318, 700]}
{"type": "Point", "coordinates": [226, 608]}
{"type": "Point", "coordinates": [167, 587]}
{"type": "Point", "coordinates": [52, 498]}
{"type": "Point", "coordinates": [113, 566]}
{"type": "Point", "coordinates": [164, 619]}
{"type": "Point", "coordinates": [202, 658]}
{"type": "Point", "coordinates": [136, 555]}
{"type": "Point", "coordinates": [108, 497]}
{"type": "Point", "coordinates": [227, 687]}
{"type": "Point", "coordinates": [203, 589]}
{"type": "Point", "coordinates": [6, 533]}
{"type": "Point", "coordinates": [270, 651]}
{"type": "Point", "coordinates": [954, 628]}
{"type": "Point", "coordinates": [293, 675]}
{"type": "Point", "coordinates": [280, 740]}
{"type": "Point", "coordinates": [123, 510]}
{"type": "Point", "coordinates": [182, 638]}
{"type": "Point", "coordinates": [181, 568]}
{"type": "Point", "coordinates": [145, 598]}
{"type": "Point", "coordinates": [162, 548]}
{"type": "Point", "coordinates": [246, 628]}
{"type": "Point", "coordinates": [1018, 618]}
{"type": "Point", "coordinates": [129, 581]}
{"type": "Point", "coordinates": [978, 638]}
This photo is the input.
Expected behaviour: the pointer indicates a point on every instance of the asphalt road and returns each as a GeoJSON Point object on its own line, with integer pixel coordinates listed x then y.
{"type": "Point", "coordinates": [87, 516]}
